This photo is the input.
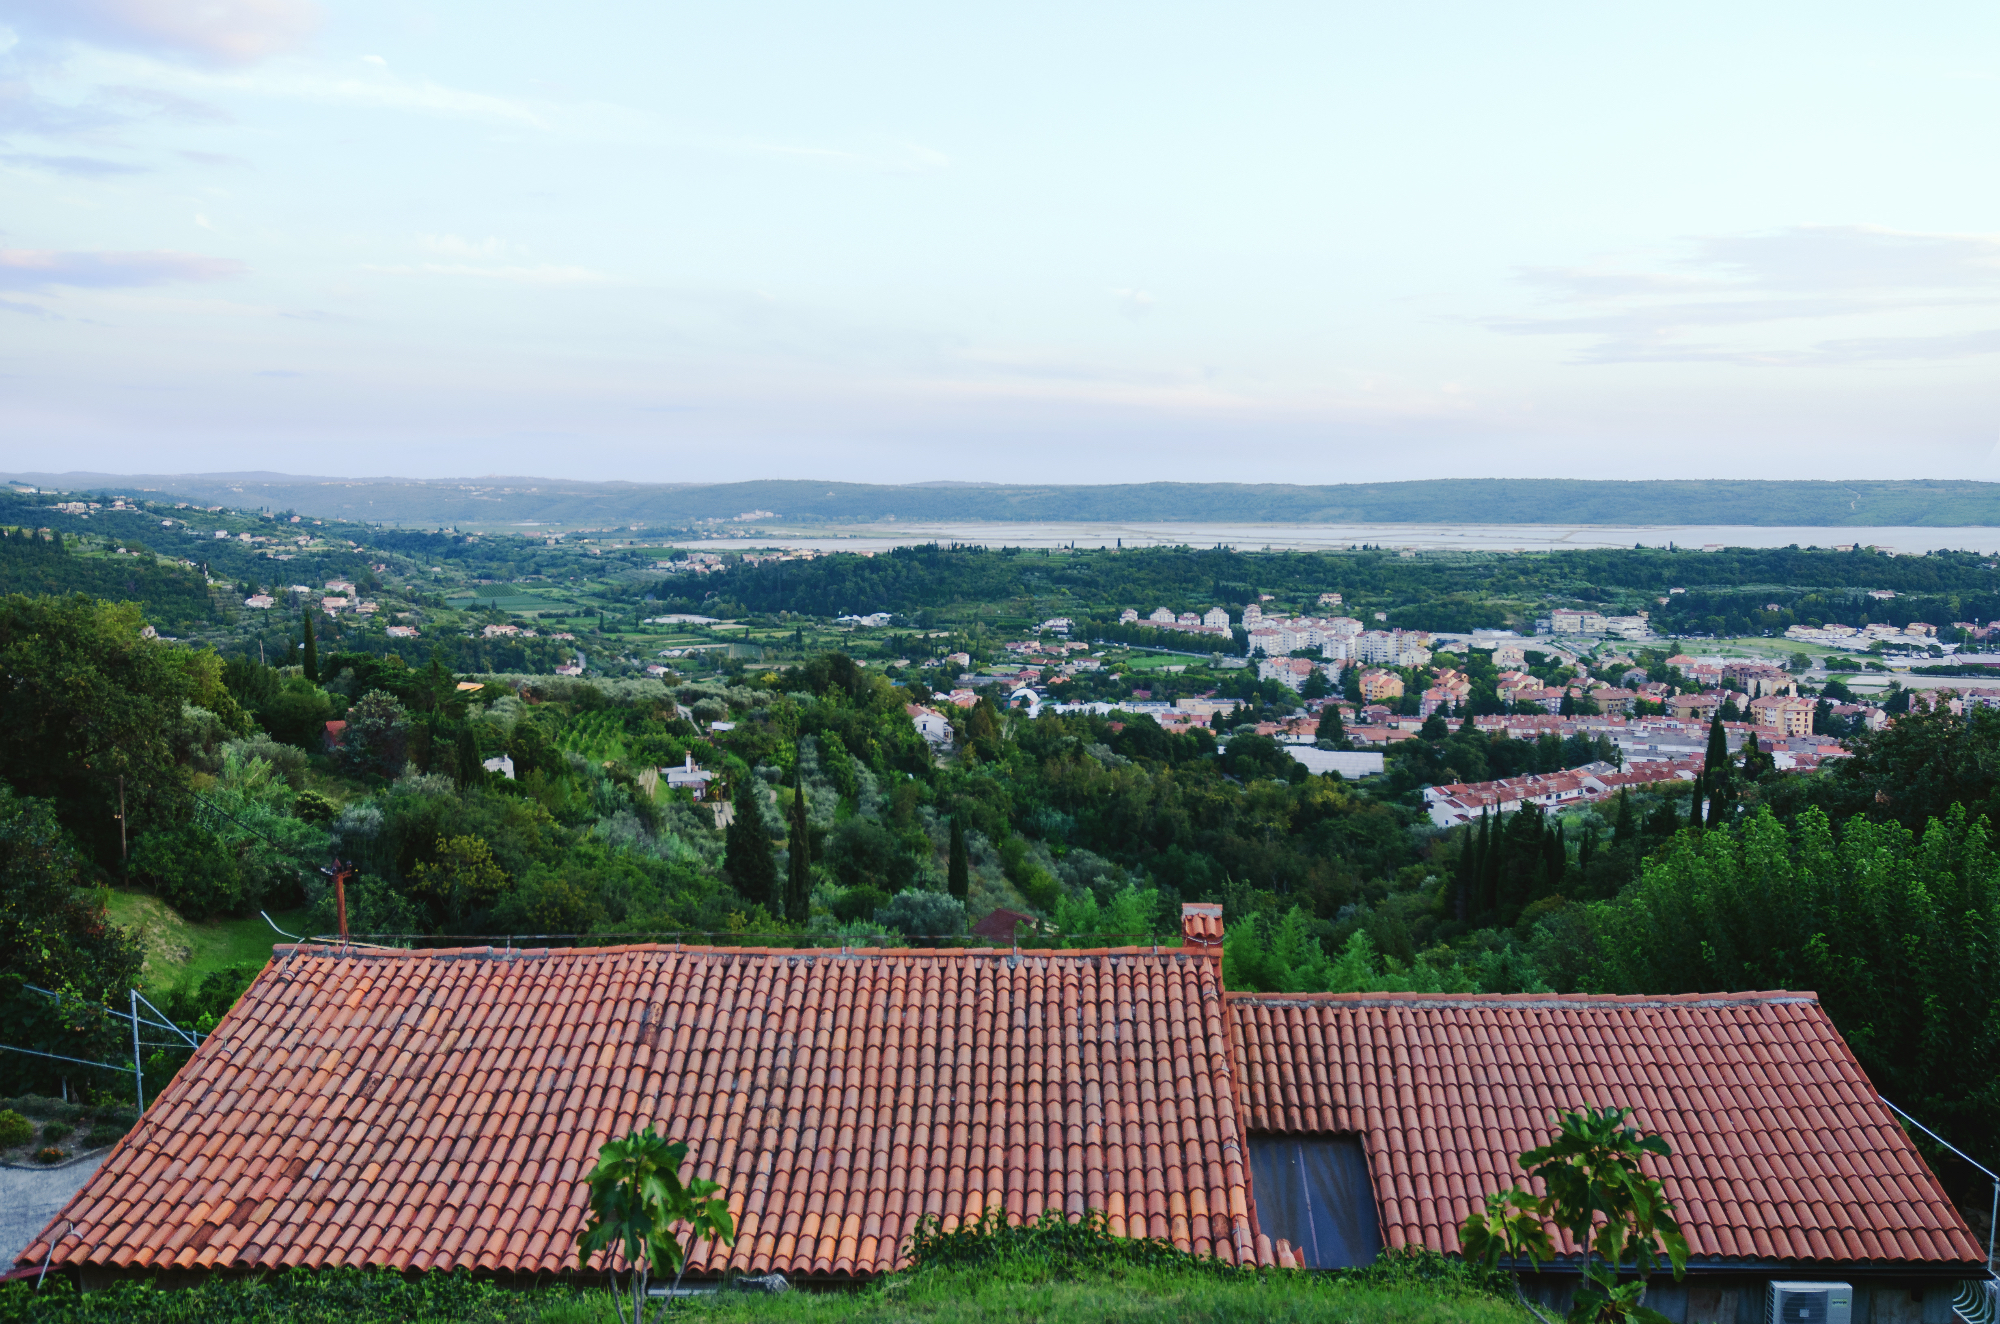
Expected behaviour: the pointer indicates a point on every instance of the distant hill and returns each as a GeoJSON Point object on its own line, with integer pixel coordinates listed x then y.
{"type": "Point", "coordinates": [493, 501]}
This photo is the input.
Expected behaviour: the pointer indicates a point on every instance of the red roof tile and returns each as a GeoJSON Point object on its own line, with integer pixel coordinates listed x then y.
{"type": "Point", "coordinates": [439, 1109]}
{"type": "Point", "coordinates": [1781, 1148]}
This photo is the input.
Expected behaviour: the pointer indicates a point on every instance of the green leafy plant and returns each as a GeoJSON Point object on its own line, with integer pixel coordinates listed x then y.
{"type": "Point", "coordinates": [15, 1129]}
{"type": "Point", "coordinates": [1597, 1192]}
{"type": "Point", "coordinates": [49, 1154]}
{"type": "Point", "coordinates": [637, 1200]}
{"type": "Point", "coordinates": [57, 1132]}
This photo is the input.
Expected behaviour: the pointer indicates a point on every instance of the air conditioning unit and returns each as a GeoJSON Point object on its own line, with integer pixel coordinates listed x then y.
{"type": "Point", "coordinates": [1809, 1303]}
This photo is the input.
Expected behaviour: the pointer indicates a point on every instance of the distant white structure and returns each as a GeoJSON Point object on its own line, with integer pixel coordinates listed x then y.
{"type": "Point", "coordinates": [259, 601]}
{"type": "Point", "coordinates": [1028, 699]}
{"type": "Point", "coordinates": [504, 765]}
{"type": "Point", "coordinates": [690, 776]}
{"type": "Point", "coordinates": [1348, 763]}
{"type": "Point", "coordinates": [930, 724]}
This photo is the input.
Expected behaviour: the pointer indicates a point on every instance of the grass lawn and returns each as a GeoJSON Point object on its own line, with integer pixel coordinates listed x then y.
{"type": "Point", "coordinates": [180, 951]}
{"type": "Point", "coordinates": [965, 1296]}
{"type": "Point", "coordinates": [1133, 1297]}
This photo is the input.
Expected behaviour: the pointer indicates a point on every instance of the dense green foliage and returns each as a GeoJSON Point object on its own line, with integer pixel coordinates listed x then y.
{"type": "Point", "coordinates": [53, 937]}
{"type": "Point", "coordinates": [175, 598]}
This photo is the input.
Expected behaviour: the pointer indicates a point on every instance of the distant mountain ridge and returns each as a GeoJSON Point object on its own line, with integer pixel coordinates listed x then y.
{"type": "Point", "coordinates": [495, 501]}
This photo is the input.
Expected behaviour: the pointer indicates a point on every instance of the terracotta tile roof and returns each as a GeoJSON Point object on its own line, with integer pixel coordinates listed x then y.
{"type": "Point", "coordinates": [438, 1109]}
{"type": "Point", "coordinates": [1782, 1150]}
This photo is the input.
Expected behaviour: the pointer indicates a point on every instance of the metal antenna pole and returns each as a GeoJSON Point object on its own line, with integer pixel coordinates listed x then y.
{"type": "Point", "coordinates": [138, 1074]}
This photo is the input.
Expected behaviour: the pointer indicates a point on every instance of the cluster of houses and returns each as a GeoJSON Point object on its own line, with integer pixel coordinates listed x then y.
{"type": "Point", "coordinates": [1463, 802]}
{"type": "Point", "coordinates": [1917, 634]}
{"type": "Point", "coordinates": [696, 563]}
{"type": "Point", "coordinates": [1563, 621]}
{"type": "Point", "coordinates": [338, 596]}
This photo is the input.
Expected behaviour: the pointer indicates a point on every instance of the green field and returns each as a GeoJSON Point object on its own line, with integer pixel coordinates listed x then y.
{"type": "Point", "coordinates": [179, 951]}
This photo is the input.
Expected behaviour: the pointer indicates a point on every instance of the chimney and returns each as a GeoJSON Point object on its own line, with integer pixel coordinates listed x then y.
{"type": "Point", "coordinates": [1201, 925]}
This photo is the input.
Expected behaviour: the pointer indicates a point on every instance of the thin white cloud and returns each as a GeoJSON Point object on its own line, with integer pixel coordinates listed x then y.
{"type": "Point", "coordinates": [167, 105]}
{"type": "Point", "coordinates": [899, 159]}
{"type": "Point", "coordinates": [524, 275]}
{"type": "Point", "coordinates": [82, 167]}
{"type": "Point", "coordinates": [26, 270]}
{"type": "Point", "coordinates": [1134, 303]}
{"type": "Point", "coordinates": [213, 31]}
{"type": "Point", "coordinates": [1792, 283]}
{"type": "Point", "coordinates": [451, 245]}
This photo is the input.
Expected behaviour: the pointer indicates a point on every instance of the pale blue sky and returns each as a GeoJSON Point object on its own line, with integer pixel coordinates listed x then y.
{"type": "Point", "coordinates": [891, 242]}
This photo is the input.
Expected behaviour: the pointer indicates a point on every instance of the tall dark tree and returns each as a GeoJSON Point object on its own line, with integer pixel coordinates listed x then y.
{"type": "Point", "coordinates": [798, 881]}
{"type": "Point", "coordinates": [1624, 829]}
{"type": "Point", "coordinates": [1467, 881]}
{"type": "Point", "coordinates": [958, 873]}
{"type": "Point", "coordinates": [466, 763]}
{"type": "Point", "coordinates": [1331, 728]}
{"type": "Point", "coordinates": [746, 854]}
{"type": "Point", "coordinates": [312, 648]}
{"type": "Point", "coordinates": [1489, 866]}
{"type": "Point", "coordinates": [1715, 769]}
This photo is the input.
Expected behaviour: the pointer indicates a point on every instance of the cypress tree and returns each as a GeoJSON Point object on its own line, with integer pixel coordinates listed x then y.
{"type": "Point", "coordinates": [1715, 768]}
{"type": "Point", "coordinates": [746, 851]}
{"type": "Point", "coordinates": [1555, 859]}
{"type": "Point", "coordinates": [1489, 865]}
{"type": "Point", "coordinates": [1468, 872]}
{"type": "Point", "coordinates": [958, 874]}
{"type": "Point", "coordinates": [798, 883]}
{"type": "Point", "coordinates": [312, 648]}
{"type": "Point", "coordinates": [468, 767]}
{"type": "Point", "coordinates": [1624, 829]}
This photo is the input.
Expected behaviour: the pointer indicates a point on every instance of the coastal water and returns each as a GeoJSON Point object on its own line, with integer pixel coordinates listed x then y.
{"type": "Point", "coordinates": [1405, 537]}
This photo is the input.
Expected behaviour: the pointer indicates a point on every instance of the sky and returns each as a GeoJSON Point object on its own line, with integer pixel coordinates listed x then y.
{"type": "Point", "coordinates": [1309, 243]}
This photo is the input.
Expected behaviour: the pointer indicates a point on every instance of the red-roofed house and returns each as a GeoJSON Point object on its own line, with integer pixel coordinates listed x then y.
{"type": "Point", "coordinates": [439, 1109]}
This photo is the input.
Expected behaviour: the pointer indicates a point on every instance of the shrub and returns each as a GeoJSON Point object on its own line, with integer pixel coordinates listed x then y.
{"type": "Point", "coordinates": [859, 903]}
{"type": "Point", "coordinates": [57, 1132]}
{"type": "Point", "coordinates": [1049, 1246]}
{"type": "Point", "coordinates": [312, 807]}
{"type": "Point", "coordinates": [923, 914]}
{"type": "Point", "coordinates": [104, 1133]}
{"type": "Point", "coordinates": [191, 869]}
{"type": "Point", "coordinates": [50, 1155]}
{"type": "Point", "coordinates": [15, 1129]}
